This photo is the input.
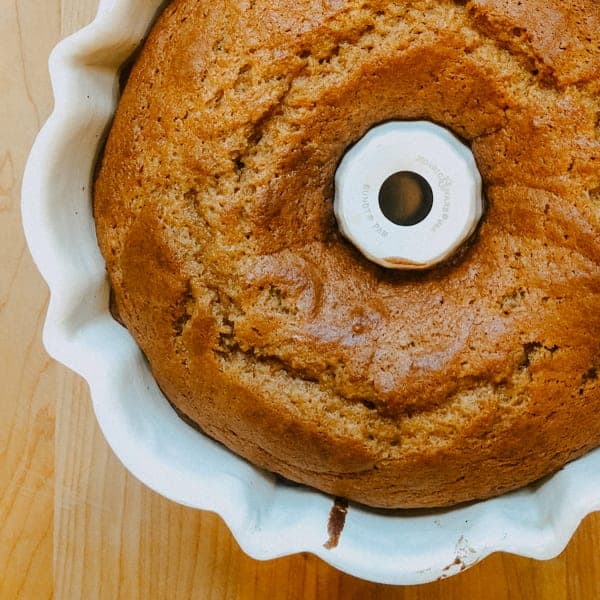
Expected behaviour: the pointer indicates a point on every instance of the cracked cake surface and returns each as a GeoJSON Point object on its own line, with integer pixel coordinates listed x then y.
{"type": "Point", "coordinates": [264, 327]}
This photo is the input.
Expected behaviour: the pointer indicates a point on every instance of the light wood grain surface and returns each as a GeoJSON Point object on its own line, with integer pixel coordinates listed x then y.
{"type": "Point", "coordinates": [73, 523]}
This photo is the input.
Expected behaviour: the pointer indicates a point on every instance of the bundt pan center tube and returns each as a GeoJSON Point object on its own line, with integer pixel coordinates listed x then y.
{"type": "Point", "coordinates": [276, 335]}
{"type": "Point", "coordinates": [408, 195]}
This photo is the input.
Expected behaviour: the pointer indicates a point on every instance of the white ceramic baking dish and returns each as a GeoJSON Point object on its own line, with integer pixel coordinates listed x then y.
{"type": "Point", "coordinates": [268, 517]}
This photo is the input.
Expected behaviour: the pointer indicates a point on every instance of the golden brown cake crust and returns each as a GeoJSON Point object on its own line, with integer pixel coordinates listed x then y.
{"type": "Point", "coordinates": [213, 206]}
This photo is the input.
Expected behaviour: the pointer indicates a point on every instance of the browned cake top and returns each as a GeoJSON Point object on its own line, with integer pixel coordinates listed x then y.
{"type": "Point", "coordinates": [214, 212]}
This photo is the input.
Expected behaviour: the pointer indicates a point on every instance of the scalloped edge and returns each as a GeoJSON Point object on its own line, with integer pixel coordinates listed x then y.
{"type": "Point", "coordinates": [268, 518]}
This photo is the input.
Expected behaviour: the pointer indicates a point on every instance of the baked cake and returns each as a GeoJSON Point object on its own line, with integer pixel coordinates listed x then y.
{"type": "Point", "coordinates": [272, 333]}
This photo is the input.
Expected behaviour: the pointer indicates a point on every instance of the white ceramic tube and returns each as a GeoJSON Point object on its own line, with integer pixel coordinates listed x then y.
{"type": "Point", "coordinates": [437, 187]}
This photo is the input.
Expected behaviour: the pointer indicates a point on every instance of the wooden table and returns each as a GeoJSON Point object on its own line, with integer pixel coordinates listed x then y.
{"type": "Point", "coordinates": [73, 523]}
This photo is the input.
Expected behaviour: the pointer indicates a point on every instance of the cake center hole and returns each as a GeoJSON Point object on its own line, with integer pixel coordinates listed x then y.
{"type": "Point", "coordinates": [405, 198]}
